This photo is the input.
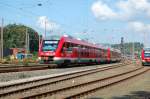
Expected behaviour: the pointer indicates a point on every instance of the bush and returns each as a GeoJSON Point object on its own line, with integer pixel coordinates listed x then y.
{"type": "Point", "coordinates": [4, 61]}
{"type": "Point", "coordinates": [26, 61]}
{"type": "Point", "coordinates": [15, 61]}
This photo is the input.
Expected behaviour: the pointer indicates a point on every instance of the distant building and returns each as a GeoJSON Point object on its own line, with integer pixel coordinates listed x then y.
{"type": "Point", "coordinates": [18, 50]}
{"type": "Point", "coordinates": [7, 52]}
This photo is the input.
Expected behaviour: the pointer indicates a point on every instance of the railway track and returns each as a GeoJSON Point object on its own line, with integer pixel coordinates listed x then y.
{"type": "Point", "coordinates": [84, 89]}
{"type": "Point", "coordinates": [23, 89]}
{"type": "Point", "coordinates": [7, 69]}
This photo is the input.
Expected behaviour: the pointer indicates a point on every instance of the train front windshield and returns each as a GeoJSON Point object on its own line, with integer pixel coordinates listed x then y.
{"type": "Point", "coordinates": [49, 45]}
{"type": "Point", "coordinates": [147, 54]}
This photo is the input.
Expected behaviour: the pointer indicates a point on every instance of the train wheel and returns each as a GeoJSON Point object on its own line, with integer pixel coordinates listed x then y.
{"type": "Point", "coordinates": [143, 64]}
{"type": "Point", "coordinates": [60, 65]}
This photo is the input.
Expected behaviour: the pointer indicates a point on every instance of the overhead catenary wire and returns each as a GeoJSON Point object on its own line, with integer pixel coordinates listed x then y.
{"type": "Point", "coordinates": [26, 12]}
{"type": "Point", "coordinates": [23, 11]}
{"type": "Point", "coordinates": [19, 9]}
{"type": "Point", "coordinates": [39, 3]}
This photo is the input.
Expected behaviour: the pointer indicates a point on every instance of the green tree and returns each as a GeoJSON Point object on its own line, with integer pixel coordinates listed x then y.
{"type": "Point", "coordinates": [14, 37]}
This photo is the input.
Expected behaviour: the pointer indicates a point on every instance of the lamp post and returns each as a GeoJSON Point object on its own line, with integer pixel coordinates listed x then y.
{"type": "Point", "coordinates": [27, 41]}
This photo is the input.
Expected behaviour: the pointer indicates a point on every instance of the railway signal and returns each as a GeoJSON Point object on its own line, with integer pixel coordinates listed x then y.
{"type": "Point", "coordinates": [122, 46]}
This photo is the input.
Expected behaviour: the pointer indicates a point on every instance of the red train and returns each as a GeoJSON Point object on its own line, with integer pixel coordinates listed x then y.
{"type": "Point", "coordinates": [67, 50]}
{"type": "Point", "coordinates": [145, 55]}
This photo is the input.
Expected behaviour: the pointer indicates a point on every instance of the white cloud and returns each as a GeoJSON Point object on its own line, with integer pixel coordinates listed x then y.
{"type": "Point", "coordinates": [50, 25]}
{"type": "Point", "coordinates": [125, 9]}
{"type": "Point", "coordinates": [134, 14]}
{"type": "Point", "coordinates": [102, 11]}
{"type": "Point", "coordinates": [130, 8]}
{"type": "Point", "coordinates": [139, 27]}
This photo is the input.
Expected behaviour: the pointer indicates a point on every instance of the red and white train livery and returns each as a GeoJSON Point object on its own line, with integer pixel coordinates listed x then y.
{"type": "Point", "coordinates": [145, 55]}
{"type": "Point", "coordinates": [68, 50]}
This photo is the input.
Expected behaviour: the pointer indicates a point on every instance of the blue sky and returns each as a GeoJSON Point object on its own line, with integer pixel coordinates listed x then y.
{"type": "Point", "coordinates": [100, 21]}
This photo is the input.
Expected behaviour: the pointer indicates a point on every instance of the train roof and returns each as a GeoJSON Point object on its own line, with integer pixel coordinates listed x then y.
{"type": "Point", "coordinates": [53, 37]}
{"type": "Point", "coordinates": [80, 42]}
{"type": "Point", "coordinates": [67, 38]}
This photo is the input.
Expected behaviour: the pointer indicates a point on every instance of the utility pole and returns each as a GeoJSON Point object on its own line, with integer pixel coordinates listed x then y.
{"type": "Point", "coordinates": [1, 48]}
{"type": "Point", "coordinates": [28, 43]}
{"type": "Point", "coordinates": [27, 40]}
{"type": "Point", "coordinates": [39, 40]}
{"type": "Point", "coordinates": [1, 44]}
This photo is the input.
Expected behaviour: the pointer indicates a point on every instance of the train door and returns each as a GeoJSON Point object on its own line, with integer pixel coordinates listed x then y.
{"type": "Point", "coordinates": [64, 48]}
{"type": "Point", "coordinates": [108, 55]}
{"type": "Point", "coordinates": [102, 55]}
{"type": "Point", "coordinates": [79, 53]}
{"type": "Point", "coordinates": [69, 50]}
{"type": "Point", "coordinates": [74, 51]}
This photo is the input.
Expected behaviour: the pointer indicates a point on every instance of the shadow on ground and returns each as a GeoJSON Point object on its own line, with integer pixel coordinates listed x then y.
{"type": "Point", "coordinates": [95, 98]}
{"type": "Point", "coordinates": [84, 65]}
{"type": "Point", "coordinates": [135, 95]}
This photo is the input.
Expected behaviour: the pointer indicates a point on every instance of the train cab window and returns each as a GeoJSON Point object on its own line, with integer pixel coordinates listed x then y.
{"type": "Point", "coordinates": [147, 54]}
{"type": "Point", "coordinates": [50, 45]}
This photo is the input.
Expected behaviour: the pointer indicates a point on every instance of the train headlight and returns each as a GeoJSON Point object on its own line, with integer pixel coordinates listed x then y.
{"type": "Point", "coordinates": [143, 60]}
{"type": "Point", "coordinates": [39, 58]}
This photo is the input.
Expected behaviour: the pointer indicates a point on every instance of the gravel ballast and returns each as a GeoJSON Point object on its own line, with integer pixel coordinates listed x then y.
{"type": "Point", "coordinates": [136, 88]}
{"type": "Point", "coordinates": [5, 77]}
